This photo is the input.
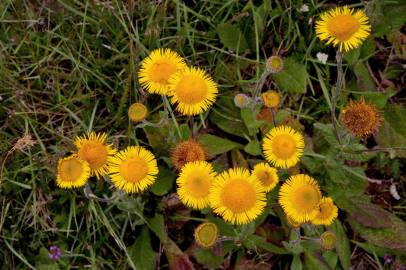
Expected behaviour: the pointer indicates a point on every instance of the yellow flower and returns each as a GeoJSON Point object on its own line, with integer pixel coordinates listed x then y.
{"type": "Point", "coordinates": [271, 99]}
{"type": "Point", "coordinates": [292, 223]}
{"type": "Point", "coordinates": [343, 27]}
{"type": "Point", "coordinates": [283, 146]}
{"type": "Point", "coordinates": [94, 149]}
{"type": "Point", "coordinates": [133, 169]}
{"type": "Point", "coordinates": [361, 118]}
{"type": "Point", "coordinates": [206, 234]}
{"type": "Point", "coordinates": [137, 112]}
{"type": "Point", "coordinates": [274, 64]}
{"type": "Point", "coordinates": [237, 196]}
{"type": "Point", "coordinates": [72, 172]}
{"type": "Point", "coordinates": [299, 197]}
{"type": "Point", "coordinates": [157, 68]}
{"type": "Point", "coordinates": [267, 175]}
{"type": "Point", "coordinates": [328, 240]}
{"type": "Point", "coordinates": [187, 151]}
{"type": "Point", "coordinates": [194, 182]}
{"type": "Point", "coordinates": [193, 90]}
{"type": "Point", "coordinates": [327, 212]}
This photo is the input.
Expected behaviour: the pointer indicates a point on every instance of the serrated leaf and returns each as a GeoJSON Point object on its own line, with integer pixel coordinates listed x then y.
{"type": "Point", "coordinates": [248, 117]}
{"type": "Point", "coordinates": [141, 252]}
{"type": "Point", "coordinates": [342, 244]}
{"type": "Point", "coordinates": [215, 145]}
{"type": "Point", "coordinates": [293, 78]}
{"type": "Point", "coordinates": [231, 37]}
{"type": "Point", "coordinates": [164, 182]}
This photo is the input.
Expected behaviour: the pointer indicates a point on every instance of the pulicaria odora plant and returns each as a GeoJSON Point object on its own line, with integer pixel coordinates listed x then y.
{"type": "Point", "coordinates": [236, 194]}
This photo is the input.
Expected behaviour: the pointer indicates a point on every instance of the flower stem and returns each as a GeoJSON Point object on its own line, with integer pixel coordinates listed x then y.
{"type": "Point", "coordinates": [336, 92]}
{"type": "Point", "coordinates": [168, 106]}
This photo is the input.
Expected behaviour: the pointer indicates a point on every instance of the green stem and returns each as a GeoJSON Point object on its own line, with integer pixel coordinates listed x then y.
{"type": "Point", "coordinates": [168, 106]}
{"type": "Point", "coordinates": [337, 91]}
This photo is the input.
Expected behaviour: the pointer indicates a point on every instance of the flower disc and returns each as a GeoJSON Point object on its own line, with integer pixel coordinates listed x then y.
{"type": "Point", "coordinates": [72, 172]}
{"type": "Point", "coordinates": [299, 197]}
{"type": "Point", "coordinates": [194, 183]}
{"type": "Point", "coordinates": [133, 169]}
{"type": "Point", "coordinates": [343, 27]}
{"type": "Point", "coordinates": [237, 196]}
{"type": "Point", "coordinates": [193, 90]}
{"type": "Point", "coordinates": [283, 146]}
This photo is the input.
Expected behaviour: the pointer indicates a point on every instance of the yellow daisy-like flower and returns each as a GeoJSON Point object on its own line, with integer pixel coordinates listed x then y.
{"type": "Point", "coordinates": [193, 90]}
{"type": "Point", "coordinates": [133, 169]}
{"type": "Point", "coordinates": [271, 99]}
{"type": "Point", "coordinates": [237, 196]}
{"type": "Point", "coordinates": [137, 112]}
{"type": "Point", "coordinates": [194, 183]}
{"type": "Point", "coordinates": [327, 212]}
{"type": "Point", "coordinates": [267, 175]}
{"type": "Point", "coordinates": [299, 197]}
{"type": "Point", "coordinates": [157, 68]}
{"type": "Point", "coordinates": [283, 146]}
{"type": "Point", "coordinates": [206, 234]}
{"type": "Point", "coordinates": [72, 172]}
{"type": "Point", "coordinates": [343, 27]}
{"type": "Point", "coordinates": [94, 149]}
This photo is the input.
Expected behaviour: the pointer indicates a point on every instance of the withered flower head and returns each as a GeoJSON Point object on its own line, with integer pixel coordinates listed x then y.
{"type": "Point", "coordinates": [187, 151]}
{"type": "Point", "coordinates": [361, 118]}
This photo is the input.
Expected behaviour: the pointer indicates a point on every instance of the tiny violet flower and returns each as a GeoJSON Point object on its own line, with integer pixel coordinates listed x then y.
{"type": "Point", "coordinates": [304, 8]}
{"type": "Point", "coordinates": [54, 253]}
{"type": "Point", "coordinates": [387, 259]}
{"type": "Point", "coordinates": [322, 57]}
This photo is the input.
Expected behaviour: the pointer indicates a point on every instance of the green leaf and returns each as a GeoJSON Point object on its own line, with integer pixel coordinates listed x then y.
{"type": "Point", "coordinates": [387, 137]}
{"type": "Point", "coordinates": [331, 259]}
{"type": "Point", "coordinates": [248, 116]}
{"type": "Point", "coordinates": [157, 225]}
{"type": "Point", "coordinates": [230, 125]}
{"type": "Point", "coordinates": [231, 37]}
{"type": "Point", "coordinates": [207, 258]}
{"type": "Point", "coordinates": [185, 131]}
{"type": "Point", "coordinates": [395, 115]}
{"type": "Point", "coordinates": [296, 263]}
{"type": "Point", "coordinates": [314, 261]}
{"type": "Point", "coordinates": [364, 79]}
{"type": "Point", "coordinates": [253, 148]}
{"type": "Point", "coordinates": [342, 245]}
{"type": "Point", "coordinates": [391, 18]}
{"type": "Point", "coordinates": [141, 252]}
{"type": "Point", "coordinates": [255, 241]}
{"type": "Point", "coordinates": [216, 145]}
{"type": "Point", "coordinates": [379, 99]}
{"type": "Point", "coordinates": [293, 78]}
{"type": "Point", "coordinates": [163, 182]}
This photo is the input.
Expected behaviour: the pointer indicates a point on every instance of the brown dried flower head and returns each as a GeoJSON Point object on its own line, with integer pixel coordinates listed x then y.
{"type": "Point", "coordinates": [187, 151]}
{"type": "Point", "coordinates": [361, 118]}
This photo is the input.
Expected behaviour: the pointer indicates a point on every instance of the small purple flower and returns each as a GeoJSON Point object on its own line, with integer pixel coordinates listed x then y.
{"type": "Point", "coordinates": [387, 259]}
{"type": "Point", "coordinates": [54, 253]}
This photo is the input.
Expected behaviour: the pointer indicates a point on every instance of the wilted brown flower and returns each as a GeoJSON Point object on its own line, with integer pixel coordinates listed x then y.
{"type": "Point", "coordinates": [361, 118]}
{"type": "Point", "coordinates": [187, 151]}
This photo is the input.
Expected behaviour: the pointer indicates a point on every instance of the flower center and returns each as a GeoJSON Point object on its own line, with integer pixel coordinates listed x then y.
{"type": "Point", "coordinates": [191, 89]}
{"type": "Point", "coordinates": [137, 112]}
{"type": "Point", "coordinates": [238, 196]}
{"type": "Point", "coordinates": [325, 210]}
{"type": "Point", "coordinates": [284, 146]}
{"type": "Point", "coordinates": [343, 27]}
{"type": "Point", "coordinates": [94, 153]}
{"type": "Point", "coordinates": [161, 71]}
{"type": "Point", "coordinates": [134, 169]}
{"type": "Point", "coordinates": [265, 177]}
{"type": "Point", "coordinates": [70, 170]}
{"type": "Point", "coordinates": [198, 186]}
{"type": "Point", "coordinates": [305, 198]}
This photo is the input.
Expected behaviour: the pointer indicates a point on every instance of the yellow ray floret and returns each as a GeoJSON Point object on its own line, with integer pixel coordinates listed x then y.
{"type": "Point", "coordinates": [94, 149]}
{"type": "Point", "coordinates": [327, 212]}
{"type": "Point", "coordinates": [72, 172]}
{"type": "Point", "coordinates": [299, 197]}
{"type": "Point", "coordinates": [343, 27]}
{"type": "Point", "coordinates": [194, 183]}
{"type": "Point", "coordinates": [283, 146]}
{"type": "Point", "coordinates": [237, 196]}
{"type": "Point", "coordinates": [193, 90]}
{"type": "Point", "coordinates": [133, 169]}
{"type": "Point", "coordinates": [157, 68]}
{"type": "Point", "coordinates": [267, 175]}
